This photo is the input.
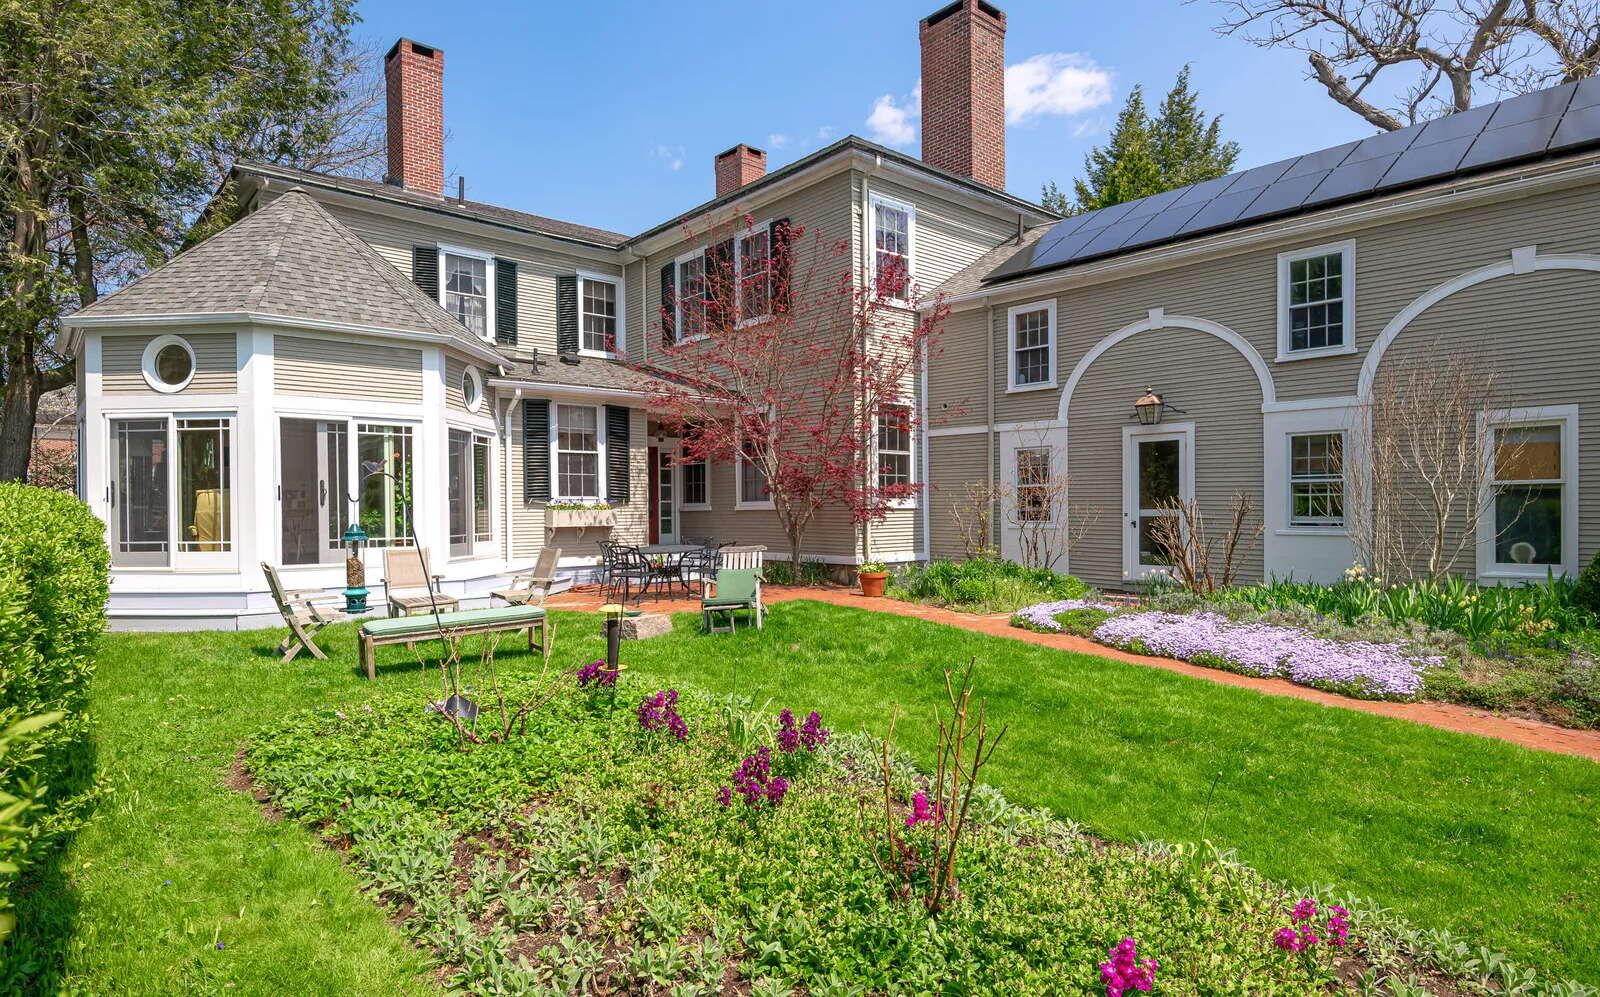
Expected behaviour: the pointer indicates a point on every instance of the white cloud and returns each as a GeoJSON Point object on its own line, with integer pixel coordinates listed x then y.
{"type": "Point", "coordinates": [894, 123]}
{"type": "Point", "coordinates": [671, 155]}
{"type": "Point", "coordinates": [777, 140]}
{"type": "Point", "coordinates": [825, 133]}
{"type": "Point", "coordinates": [1090, 126]}
{"type": "Point", "coordinates": [1055, 83]}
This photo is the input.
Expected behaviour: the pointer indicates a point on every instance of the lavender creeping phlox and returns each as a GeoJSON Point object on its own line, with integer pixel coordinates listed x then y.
{"type": "Point", "coordinates": [660, 712]}
{"type": "Point", "coordinates": [1043, 615]}
{"type": "Point", "coordinates": [1363, 668]}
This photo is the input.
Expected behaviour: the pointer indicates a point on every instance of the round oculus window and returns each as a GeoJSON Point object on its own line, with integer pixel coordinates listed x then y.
{"type": "Point", "coordinates": [471, 388]}
{"type": "Point", "coordinates": [173, 364]}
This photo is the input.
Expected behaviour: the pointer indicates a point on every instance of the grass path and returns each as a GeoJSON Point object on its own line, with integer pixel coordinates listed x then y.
{"type": "Point", "coordinates": [1454, 831]}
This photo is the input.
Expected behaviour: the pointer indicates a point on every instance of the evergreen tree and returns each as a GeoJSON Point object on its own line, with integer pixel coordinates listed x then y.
{"type": "Point", "coordinates": [1147, 155]}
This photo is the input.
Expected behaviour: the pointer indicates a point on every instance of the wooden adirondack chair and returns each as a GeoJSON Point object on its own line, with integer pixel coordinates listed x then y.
{"type": "Point", "coordinates": [405, 584]}
{"type": "Point", "coordinates": [302, 614]}
{"type": "Point", "coordinates": [736, 589]}
{"type": "Point", "coordinates": [532, 587]}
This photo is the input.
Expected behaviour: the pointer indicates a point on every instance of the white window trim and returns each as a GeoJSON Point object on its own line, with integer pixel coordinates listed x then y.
{"type": "Point", "coordinates": [873, 200]}
{"type": "Point", "coordinates": [1567, 416]}
{"type": "Point", "coordinates": [484, 547]}
{"type": "Point", "coordinates": [555, 453]}
{"type": "Point", "coordinates": [760, 228]}
{"type": "Point", "coordinates": [1131, 436]}
{"type": "Point", "coordinates": [1012, 387]}
{"type": "Point", "coordinates": [1308, 529]}
{"type": "Point", "coordinates": [741, 503]}
{"type": "Point", "coordinates": [911, 451]}
{"type": "Point", "coordinates": [148, 363]}
{"type": "Point", "coordinates": [475, 403]}
{"type": "Point", "coordinates": [684, 506]}
{"type": "Point", "coordinates": [488, 282]}
{"type": "Point", "coordinates": [621, 338]}
{"type": "Point", "coordinates": [677, 297]}
{"type": "Point", "coordinates": [1347, 250]}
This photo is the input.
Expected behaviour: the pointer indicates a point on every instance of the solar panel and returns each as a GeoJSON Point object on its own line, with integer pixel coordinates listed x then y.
{"type": "Point", "coordinates": [1221, 210]}
{"type": "Point", "coordinates": [1351, 179]}
{"type": "Point", "coordinates": [1424, 162]}
{"type": "Point", "coordinates": [1519, 141]}
{"type": "Point", "coordinates": [1577, 127]}
{"type": "Point", "coordinates": [1319, 162]}
{"type": "Point", "coordinates": [1518, 129]}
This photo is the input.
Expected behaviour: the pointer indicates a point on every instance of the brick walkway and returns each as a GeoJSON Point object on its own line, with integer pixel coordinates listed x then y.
{"type": "Point", "coordinates": [1446, 716]}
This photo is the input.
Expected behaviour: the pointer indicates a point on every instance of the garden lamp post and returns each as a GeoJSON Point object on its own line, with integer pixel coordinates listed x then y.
{"type": "Point", "coordinates": [355, 573]}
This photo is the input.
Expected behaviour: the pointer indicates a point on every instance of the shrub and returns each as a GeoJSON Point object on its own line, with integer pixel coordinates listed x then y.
{"type": "Point", "coordinates": [982, 586]}
{"type": "Point", "coordinates": [1587, 592]}
{"type": "Point", "coordinates": [53, 564]}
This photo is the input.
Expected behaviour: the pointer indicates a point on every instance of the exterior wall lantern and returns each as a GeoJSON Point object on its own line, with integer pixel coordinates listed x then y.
{"type": "Point", "coordinates": [355, 574]}
{"type": "Point", "coordinates": [1150, 408]}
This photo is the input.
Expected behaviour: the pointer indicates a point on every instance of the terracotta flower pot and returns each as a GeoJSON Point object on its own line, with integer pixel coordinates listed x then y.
{"type": "Point", "coordinates": [872, 583]}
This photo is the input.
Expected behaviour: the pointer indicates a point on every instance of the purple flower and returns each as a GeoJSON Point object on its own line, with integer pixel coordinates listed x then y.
{"type": "Point", "coordinates": [596, 673]}
{"type": "Point", "coordinates": [922, 812]}
{"type": "Point", "coordinates": [810, 736]}
{"type": "Point", "coordinates": [1304, 933]}
{"type": "Point", "coordinates": [340, 714]}
{"type": "Point", "coordinates": [1043, 615]}
{"type": "Point", "coordinates": [754, 782]}
{"type": "Point", "coordinates": [660, 712]}
{"type": "Point", "coordinates": [1362, 668]}
{"type": "Point", "coordinates": [1126, 971]}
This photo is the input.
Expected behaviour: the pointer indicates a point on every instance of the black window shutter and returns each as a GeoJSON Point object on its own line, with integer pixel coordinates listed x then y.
{"type": "Point", "coordinates": [536, 449]}
{"type": "Point", "coordinates": [567, 314]}
{"type": "Point", "coordinates": [505, 301]}
{"type": "Point", "coordinates": [719, 286]}
{"type": "Point", "coordinates": [425, 269]}
{"type": "Point", "coordinates": [669, 293]}
{"type": "Point", "coordinates": [778, 247]}
{"type": "Point", "coordinates": [617, 454]}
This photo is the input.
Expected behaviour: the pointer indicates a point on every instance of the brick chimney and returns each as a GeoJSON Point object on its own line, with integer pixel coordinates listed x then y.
{"type": "Point", "coordinates": [964, 90]}
{"type": "Point", "coordinates": [414, 74]}
{"type": "Point", "coordinates": [738, 166]}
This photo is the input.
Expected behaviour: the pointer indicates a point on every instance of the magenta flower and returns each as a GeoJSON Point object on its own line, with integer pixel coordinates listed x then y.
{"type": "Point", "coordinates": [596, 674]}
{"type": "Point", "coordinates": [1126, 971]}
{"type": "Point", "coordinates": [660, 712]}
{"type": "Point", "coordinates": [810, 736]}
{"type": "Point", "coordinates": [754, 782]}
{"type": "Point", "coordinates": [922, 812]}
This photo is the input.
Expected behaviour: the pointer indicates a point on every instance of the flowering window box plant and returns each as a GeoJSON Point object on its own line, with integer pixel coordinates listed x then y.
{"type": "Point", "coordinates": [579, 515]}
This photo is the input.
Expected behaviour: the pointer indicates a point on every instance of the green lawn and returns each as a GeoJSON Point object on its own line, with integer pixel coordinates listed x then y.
{"type": "Point", "coordinates": [1477, 836]}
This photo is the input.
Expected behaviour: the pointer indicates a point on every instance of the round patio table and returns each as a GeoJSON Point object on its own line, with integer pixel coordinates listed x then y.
{"type": "Point", "coordinates": [671, 568]}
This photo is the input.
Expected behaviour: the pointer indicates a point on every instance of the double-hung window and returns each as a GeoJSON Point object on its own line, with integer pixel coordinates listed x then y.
{"type": "Point", "coordinates": [693, 291]}
{"type": "Point", "coordinates": [1530, 526]}
{"type": "Point", "coordinates": [1033, 485]}
{"type": "Point", "coordinates": [1316, 480]}
{"type": "Point", "coordinates": [599, 316]}
{"type": "Point", "coordinates": [753, 258]}
{"type": "Point", "coordinates": [465, 287]}
{"type": "Point", "coordinates": [1316, 301]}
{"type": "Point", "coordinates": [1032, 354]}
{"type": "Point", "coordinates": [696, 484]}
{"type": "Point", "coordinates": [893, 239]}
{"type": "Point", "coordinates": [577, 432]}
{"type": "Point", "coordinates": [894, 446]}
{"type": "Point", "coordinates": [753, 487]}
{"type": "Point", "coordinates": [469, 491]}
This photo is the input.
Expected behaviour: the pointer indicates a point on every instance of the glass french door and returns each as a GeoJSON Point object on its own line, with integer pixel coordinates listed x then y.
{"type": "Point", "coordinates": [470, 520]}
{"type": "Point", "coordinates": [314, 458]}
{"type": "Point", "coordinates": [171, 493]}
{"type": "Point", "coordinates": [666, 494]}
{"type": "Point", "coordinates": [1157, 468]}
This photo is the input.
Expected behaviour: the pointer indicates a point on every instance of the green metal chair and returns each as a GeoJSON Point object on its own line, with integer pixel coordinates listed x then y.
{"type": "Point", "coordinates": [736, 589]}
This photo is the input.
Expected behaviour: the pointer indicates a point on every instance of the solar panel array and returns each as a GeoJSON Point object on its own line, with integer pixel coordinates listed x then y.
{"type": "Point", "coordinates": [1547, 122]}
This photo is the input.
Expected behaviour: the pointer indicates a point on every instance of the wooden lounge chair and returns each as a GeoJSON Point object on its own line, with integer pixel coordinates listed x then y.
{"type": "Point", "coordinates": [410, 629]}
{"type": "Point", "coordinates": [302, 614]}
{"type": "Point", "coordinates": [736, 589]}
{"type": "Point", "coordinates": [743, 556]}
{"type": "Point", "coordinates": [532, 587]}
{"type": "Point", "coordinates": [406, 587]}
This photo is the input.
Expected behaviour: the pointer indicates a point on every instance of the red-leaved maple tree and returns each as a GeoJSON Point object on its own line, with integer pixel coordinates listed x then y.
{"type": "Point", "coordinates": [776, 349]}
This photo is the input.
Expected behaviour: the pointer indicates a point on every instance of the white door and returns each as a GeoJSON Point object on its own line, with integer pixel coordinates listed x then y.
{"type": "Point", "coordinates": [1157, 470]}
{"type": "Point", "coordinates": [667, 492]}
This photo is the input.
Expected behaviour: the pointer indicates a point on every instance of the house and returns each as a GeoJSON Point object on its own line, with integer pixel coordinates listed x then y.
{"type": "Point", "coordinates": [237, 401]}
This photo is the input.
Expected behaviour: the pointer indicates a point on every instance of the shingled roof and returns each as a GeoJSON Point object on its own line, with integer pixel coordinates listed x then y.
{"type": "Point", "coordinates": [293, 260]}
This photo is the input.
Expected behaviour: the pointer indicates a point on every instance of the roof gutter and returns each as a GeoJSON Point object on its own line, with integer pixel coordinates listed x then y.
{"type": "Point", "coordinates": [75, 323]}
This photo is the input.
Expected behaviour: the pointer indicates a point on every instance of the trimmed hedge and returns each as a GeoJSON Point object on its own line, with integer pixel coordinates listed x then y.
{"type": "Point", "coordinates": [53, 587]}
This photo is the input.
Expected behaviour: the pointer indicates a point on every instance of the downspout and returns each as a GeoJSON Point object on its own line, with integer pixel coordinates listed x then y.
{"type": "Point", "coordinates": [864, 231]}
{"type": "Point", "coordinates": [989, 466]}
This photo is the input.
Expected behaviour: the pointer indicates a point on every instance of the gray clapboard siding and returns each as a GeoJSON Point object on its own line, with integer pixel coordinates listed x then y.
{"type": "Point", "coordinates": [340, 368]}
{"type": "Point", "coordinates": [455, 395]}
{"type": "Point", "coordinates": [216, 364]}
{"type": "Point", "coordinates": [829, 534]}
{"type": "Point", "coordinates": [1219, 393]}
{"type": "Point", "coordinates": [949, 235]}
{"type": "Point", "coordinates": [955, 461]}
{"type": "Point", "coordinates": [528, 518]}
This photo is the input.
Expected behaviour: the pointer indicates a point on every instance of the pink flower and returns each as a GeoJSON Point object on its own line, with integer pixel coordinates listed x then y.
{"type": "Point", "coordinates": [1126, 971]}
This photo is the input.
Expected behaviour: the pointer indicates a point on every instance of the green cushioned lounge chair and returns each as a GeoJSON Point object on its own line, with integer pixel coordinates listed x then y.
{"type": "Point", "coordinates": [736, 589]}
{"type": "Point", "coordinates": [410, 629]}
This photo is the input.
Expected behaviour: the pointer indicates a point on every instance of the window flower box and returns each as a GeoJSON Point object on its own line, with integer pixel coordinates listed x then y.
{"type": "Point", "coordinates": [581, 519]}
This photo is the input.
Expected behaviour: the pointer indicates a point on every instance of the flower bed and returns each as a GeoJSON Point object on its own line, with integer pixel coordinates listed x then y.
{"type": "Point", "coordinates": [1044, 616]}
{"type": "Point", "coordinates": [602, 853]}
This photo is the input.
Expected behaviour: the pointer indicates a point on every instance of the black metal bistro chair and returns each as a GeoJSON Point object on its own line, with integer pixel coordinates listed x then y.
{"type": "Point", "coordinates": [629, 571]}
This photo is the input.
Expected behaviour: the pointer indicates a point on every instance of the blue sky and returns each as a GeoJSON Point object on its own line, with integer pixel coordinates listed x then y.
{"type": "Point", "coordinates": [609, 114]}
